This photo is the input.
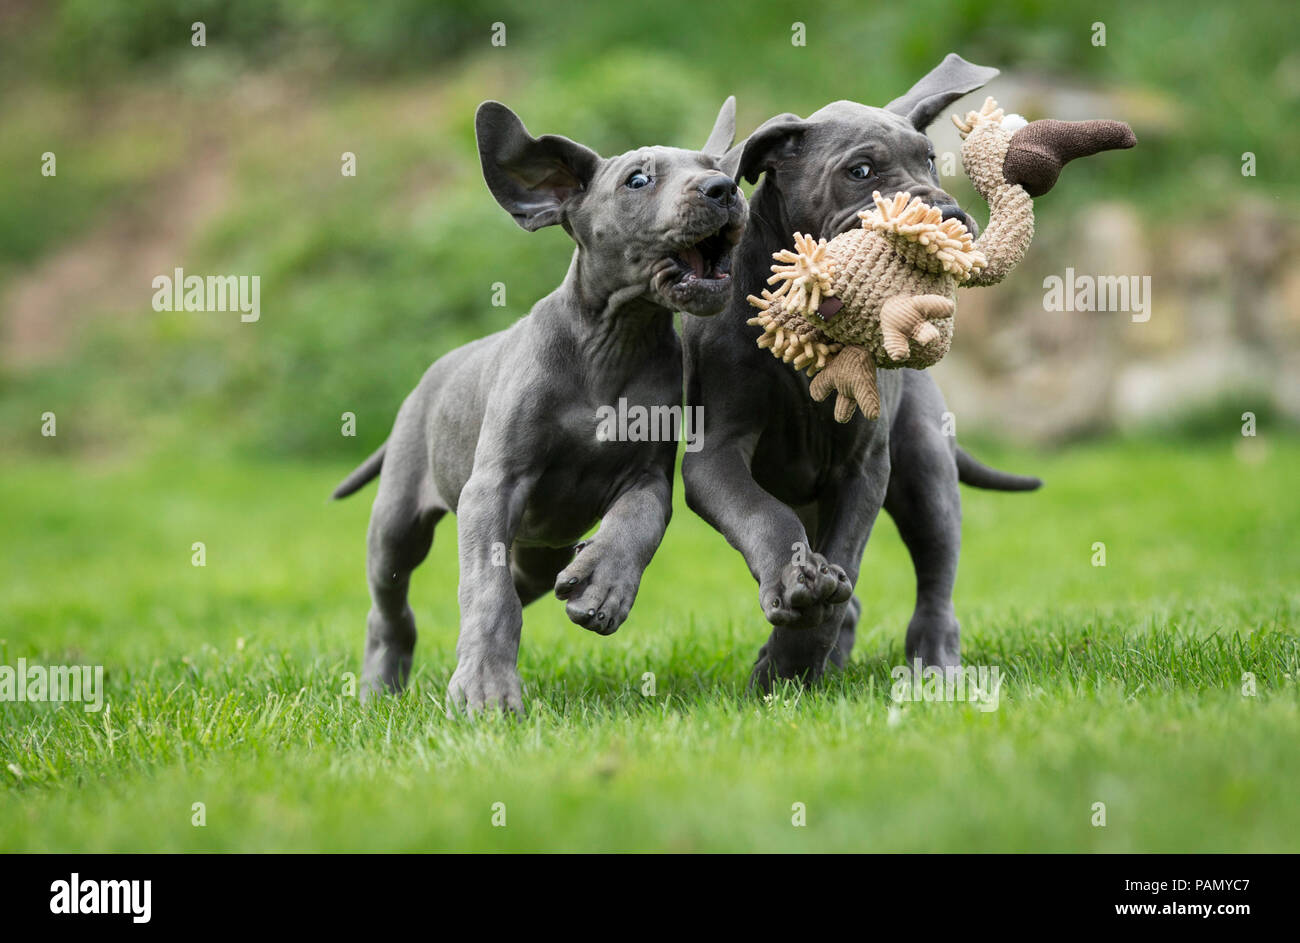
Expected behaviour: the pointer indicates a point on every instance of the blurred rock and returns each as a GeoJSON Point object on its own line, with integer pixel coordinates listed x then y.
{"type": "Point", "coordinates": [1224, 320]}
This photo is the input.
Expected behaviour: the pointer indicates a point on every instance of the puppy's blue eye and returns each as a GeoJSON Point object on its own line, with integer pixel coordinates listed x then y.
{"type": "Point", "coordinates": [933, 170]}
{"type": "Point", "coordinates": [636, 181]}
{"type": "Point", "coordinates": [860, 172]}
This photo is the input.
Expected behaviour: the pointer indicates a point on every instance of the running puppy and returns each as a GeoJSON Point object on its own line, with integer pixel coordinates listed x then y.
{"type": "Point", "coordinates": [503, 431]}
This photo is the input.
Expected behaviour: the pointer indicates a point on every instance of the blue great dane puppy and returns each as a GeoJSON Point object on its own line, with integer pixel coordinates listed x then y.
{"type": "Point", "coordinates": [793, 490]}
{"type": "Point", "coordinates": [504, 431]}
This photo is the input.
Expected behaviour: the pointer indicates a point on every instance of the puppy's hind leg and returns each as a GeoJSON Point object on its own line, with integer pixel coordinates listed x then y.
{"type": "Point", "coordinates": [924, 501]}
{"type": "Point", "coordinates": [400, 534]}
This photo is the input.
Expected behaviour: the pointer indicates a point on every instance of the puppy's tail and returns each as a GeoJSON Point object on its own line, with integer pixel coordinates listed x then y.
{"type": "Point", "coordinates": [367, 470]}
{"type": "Point", "coordinates": [972, 472]}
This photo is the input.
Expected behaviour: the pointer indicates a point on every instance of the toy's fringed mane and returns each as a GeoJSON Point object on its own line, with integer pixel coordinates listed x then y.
{"type": "Point", "coordinates": [788, 335]}
{"type": "Point", "coordinates": [804, 274]}
{"type": "Point", "coordinates": [913, 219]}
{"type": "Point", "coordinates": [989, 112]}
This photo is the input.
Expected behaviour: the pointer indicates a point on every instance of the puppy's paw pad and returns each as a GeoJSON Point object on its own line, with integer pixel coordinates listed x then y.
{"type": "Point", "coordinates": [600, 609]}
{"type": "Point", "coordinates": [598, 592]}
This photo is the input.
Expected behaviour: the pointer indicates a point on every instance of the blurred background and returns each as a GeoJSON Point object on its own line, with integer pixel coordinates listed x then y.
{"type": "Point", "coordinates": [226, 159]}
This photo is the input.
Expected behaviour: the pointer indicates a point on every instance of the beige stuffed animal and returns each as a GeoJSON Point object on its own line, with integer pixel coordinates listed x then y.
{"type": "Point", "coordinates": [884, 295]}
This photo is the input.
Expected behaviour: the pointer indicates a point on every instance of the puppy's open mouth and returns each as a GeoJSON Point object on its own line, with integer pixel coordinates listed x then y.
{"type": "Point", "coordinates": [697, 277]}
{"type": "Point", "coordinates": [710, 258]}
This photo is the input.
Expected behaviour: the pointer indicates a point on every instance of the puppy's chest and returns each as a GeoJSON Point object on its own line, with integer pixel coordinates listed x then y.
{"type": "Point", "coordinates": [611, 425]}
{"type": "Point", "coordinates": [800, 448]}
{"type": "Point", "coordinates": [596, 453]}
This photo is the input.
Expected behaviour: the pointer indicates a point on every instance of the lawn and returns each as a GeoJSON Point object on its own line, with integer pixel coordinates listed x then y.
{"type": "Point", "coordinates": [1122, 684]}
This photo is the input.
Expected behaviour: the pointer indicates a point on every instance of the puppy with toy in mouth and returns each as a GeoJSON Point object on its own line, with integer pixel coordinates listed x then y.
{"type": "Point", "coordinates": [795, 491]}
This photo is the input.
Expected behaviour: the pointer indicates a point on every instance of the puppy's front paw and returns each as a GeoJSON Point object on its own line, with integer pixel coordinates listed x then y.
{"type": "Point", "coordinates": [804, 592]}
{"type": "Point", "coordinates": [799, 656]}
{"type": "Point", "coordinates": [478, 686]}
{"type": "Point", "coordinates": [598, 590]}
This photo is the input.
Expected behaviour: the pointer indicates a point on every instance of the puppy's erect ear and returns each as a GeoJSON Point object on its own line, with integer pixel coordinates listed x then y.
{"type": "Point", "coordinates": [532, 178]}
{"type": "Point", "coordinates": [729, 163]}
{"type": "Point", "coordinates": [776, 140]}
{"type": "Point", "coordinates": [942, 85]}
{"type": "Point", "coordinates": [724, 130]}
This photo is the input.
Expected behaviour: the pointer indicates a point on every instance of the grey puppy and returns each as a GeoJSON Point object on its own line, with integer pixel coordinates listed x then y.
{"type": "Point", "coordinates": [503, 431]}
{"type": "Point", "coordinates": [793, 490]}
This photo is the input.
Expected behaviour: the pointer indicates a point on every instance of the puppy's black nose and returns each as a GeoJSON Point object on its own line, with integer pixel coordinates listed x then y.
{"type": "Point", "coordinates": [953, 211]}
{"type": "Point", "coordinates": [719, 189]}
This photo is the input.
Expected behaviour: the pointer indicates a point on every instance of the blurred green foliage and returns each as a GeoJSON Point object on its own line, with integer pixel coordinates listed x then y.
{"type": "Point", "coordinates": [366, 280]}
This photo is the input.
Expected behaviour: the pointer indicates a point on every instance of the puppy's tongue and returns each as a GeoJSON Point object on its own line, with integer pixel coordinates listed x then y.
{"type": "Point", "coordinates": [695, 259]}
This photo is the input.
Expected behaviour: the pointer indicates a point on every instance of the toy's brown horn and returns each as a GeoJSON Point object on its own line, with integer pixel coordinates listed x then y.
{"type": "Point", "coordinates": [1039, 150]}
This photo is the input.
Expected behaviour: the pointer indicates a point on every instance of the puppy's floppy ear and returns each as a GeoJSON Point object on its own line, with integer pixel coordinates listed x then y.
{"type": "Point", "coordinates": [776, 140]}
{"type": "Point", "coordinates": [532, 178]}
{"type": "Point", "coordinates": [724, 130]}
{"type": "Point", "coordinates": [942, 85]}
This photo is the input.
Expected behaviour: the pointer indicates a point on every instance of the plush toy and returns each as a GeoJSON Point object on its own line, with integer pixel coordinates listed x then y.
{"type": "Point", "coordinates": [884, 295]}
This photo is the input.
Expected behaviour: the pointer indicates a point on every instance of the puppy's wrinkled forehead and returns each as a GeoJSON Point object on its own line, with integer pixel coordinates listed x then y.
{"type": "Point", "coordinates": [851, 112]}
{"type": "Point", "coordinates": [844, 125]}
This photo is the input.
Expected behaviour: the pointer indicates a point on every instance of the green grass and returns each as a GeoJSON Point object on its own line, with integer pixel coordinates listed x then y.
{"type": "Point", "coordinates": [1121, 685]}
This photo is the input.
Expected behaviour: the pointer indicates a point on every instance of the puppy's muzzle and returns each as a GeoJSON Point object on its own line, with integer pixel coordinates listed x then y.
{"type": "Point", "coordinates": [695, 274]}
